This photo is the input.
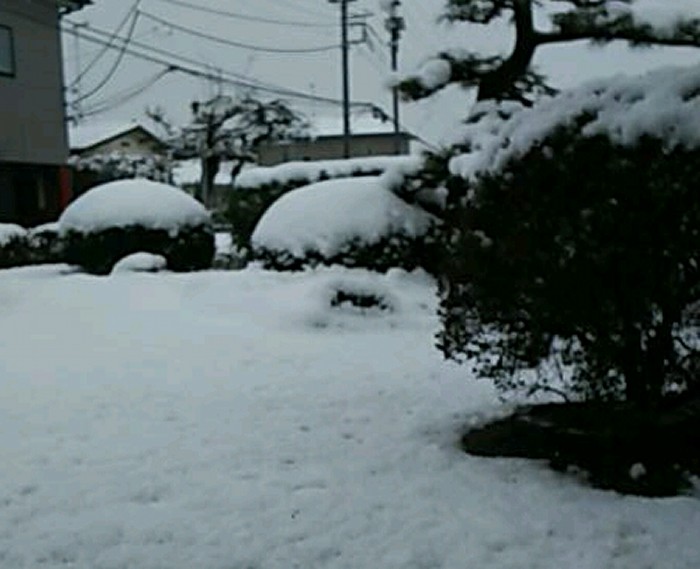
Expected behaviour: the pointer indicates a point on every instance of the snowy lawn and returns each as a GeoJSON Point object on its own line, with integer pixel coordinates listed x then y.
{"type": "Point", "coordinates": [234, 421]}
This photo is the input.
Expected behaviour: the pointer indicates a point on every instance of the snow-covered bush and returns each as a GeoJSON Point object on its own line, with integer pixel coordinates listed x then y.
{"type": "Point", "coordinates": [575, 250]}
{"type": "Point", "coordinates": [354, 222]}
{"type": "Point", "coordinates": [256, 189]}
{"type": "Point", "coordinates": [129, 216]}
{"type": "Point", "coordinates": [44, 244]}
{"type": "Point", "coordinates": [13, 245]}
{"type": "Point", "coordinates": [120, 165]}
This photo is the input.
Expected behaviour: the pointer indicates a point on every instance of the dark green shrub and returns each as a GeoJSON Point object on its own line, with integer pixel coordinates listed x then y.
{"type": "Point", "coordinates": [187, 249]}
{"type": "Point", "coordinates": [396, 251]}
{"type": "Point", "coordinates": [44, 244]}
{"type": "Point", "coordinates": [13, 246]}
{"type": "Point", "coordinates": [581, 256]}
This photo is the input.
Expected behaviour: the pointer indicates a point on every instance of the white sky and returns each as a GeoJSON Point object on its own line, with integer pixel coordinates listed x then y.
{"type": "Point", "coordinates": [317, 73]}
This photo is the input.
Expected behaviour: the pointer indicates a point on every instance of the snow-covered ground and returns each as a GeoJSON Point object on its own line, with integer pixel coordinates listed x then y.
{"type": "Point", "coordinates": [233, 420]}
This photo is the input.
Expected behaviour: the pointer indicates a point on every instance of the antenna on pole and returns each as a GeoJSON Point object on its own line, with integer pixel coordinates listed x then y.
{"type": "Point", "coordinates": [345, 47]}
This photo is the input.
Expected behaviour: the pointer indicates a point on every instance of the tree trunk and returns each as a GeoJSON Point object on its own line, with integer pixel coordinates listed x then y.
{"type": "Point", "coordinates": [210, 168]}
{"type": "Point", "coordinates": [501, 80]}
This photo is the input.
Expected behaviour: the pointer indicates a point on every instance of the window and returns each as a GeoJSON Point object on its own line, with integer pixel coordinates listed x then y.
{"type": "Point", "coordinates": [7, 51]}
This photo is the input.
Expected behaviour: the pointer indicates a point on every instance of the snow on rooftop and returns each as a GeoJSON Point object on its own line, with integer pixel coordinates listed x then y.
{"type": "Point", "coordinates": [664, 104]}
{"type": "Point", "coordinates": [312, 171]}
{"type": "Point", "coordinates": [88, 134]}
{"type": "Point", "coordinates": [133, 202]}
{"type": "Point", "coordinates": [326, 216]}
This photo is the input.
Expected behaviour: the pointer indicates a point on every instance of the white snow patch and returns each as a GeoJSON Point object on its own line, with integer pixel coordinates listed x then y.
{"type": "Point", "coordinates": [637, 471]}
{"type": "Point", "coordinates": [435, 73]}
{"type": "Point", "coordinates": [189, 172]}
{"type": "Point", "coordinates": [325, 216]}
{"type": "Point", "coordinates": [133, 202]}
{"type": "Point", "coordinates": [10, 232]}
{"type": "Point", "coordinates": [664, 104]}
{"type": "Point", "coordinates": [314, 171]}
{"type": "Point", "coordinates": [141, 262]}
{"type": "Point", "coordinates": [199, 421]}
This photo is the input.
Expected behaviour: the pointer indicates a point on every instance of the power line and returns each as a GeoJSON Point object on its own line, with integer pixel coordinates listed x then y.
{"type": "Point", "coordinates": [125, 95]}
{"type": "Point", "coordinates": [117, 61]}
{"type": "Point", "coordinates": [220, 40]}
{"type": "Point", "coordinates": [226, 76]}
{"type": "Point", "coordinates": [247, 17]}
{"type": "Point", "coordinates": [133, 10]}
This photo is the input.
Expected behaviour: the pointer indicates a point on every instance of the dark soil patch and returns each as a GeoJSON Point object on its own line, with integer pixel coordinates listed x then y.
{"type": "Point", "coordinates": [620, 446]}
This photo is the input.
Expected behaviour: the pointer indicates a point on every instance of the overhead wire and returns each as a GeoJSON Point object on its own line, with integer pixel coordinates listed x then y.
{"type": "Point", "coordinates": [194, 69]}
{"type": "Point", "coordinates": [115, 65]}
{"type": "Point", "coordinates": [105, 49]}
{"type": "Point", "coordinates": [125, 95]}
{"type": "Point", "coordinates": [224, 41]}
{"type": "Point", "coordinates": [247, 17]}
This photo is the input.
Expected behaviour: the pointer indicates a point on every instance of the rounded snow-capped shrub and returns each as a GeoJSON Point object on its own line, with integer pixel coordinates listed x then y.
{"type": "Point", "coordinates": [44, 244]}
{"type": "Point", "coordinates": [140, 263]}
{"type": "Point", "coordinates": [355, 222]}
{"type": "Point", "coordinates": [13, 245]}
{"type": "Point", "coordinates": [117, 219]}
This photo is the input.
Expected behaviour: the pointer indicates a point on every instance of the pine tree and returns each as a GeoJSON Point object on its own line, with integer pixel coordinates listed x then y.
{"type": "Point", "coordinates": [512, 77]}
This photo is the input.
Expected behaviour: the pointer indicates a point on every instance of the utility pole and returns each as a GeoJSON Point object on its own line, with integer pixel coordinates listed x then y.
{"type": "Point", "coordinates": [345, 47]}
{"type": "Point", "coordinates": [395, 24]}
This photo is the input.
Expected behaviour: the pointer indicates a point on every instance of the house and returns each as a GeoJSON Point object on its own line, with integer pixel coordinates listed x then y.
{"type": "Point", "coordinates": [88, 140]}
{"type": "Point", "coordinates": [102, 152]}
{"type": "Point", "coordinates": [34, 178]}
{"type": "Point", "coordinates": [369, 138]}
{"type": "Point", "coordinates": [331, 147]}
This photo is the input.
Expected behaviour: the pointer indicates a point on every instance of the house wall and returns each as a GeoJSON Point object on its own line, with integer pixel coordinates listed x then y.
{"type": "Point", "coordinates": [332, 148]}
{"type": "Point", "coordinates": [31, 101]}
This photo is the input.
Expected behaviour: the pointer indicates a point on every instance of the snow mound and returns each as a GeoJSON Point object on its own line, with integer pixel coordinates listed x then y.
{"type": "Point", "coordinates": [51, 227]}
{"type": "Point", "coordinates": [435, 73]}
{"type": "Point", "coordinates": [140, 263]}
{"type": "Point", "coordinates": [664, 104]}
{"type": "Point", "coordinates": [10, 232]}
{"type": "Point", "coordinates": [325, 216]}
{"type": "Point", "coordinates": [314, 171]}
{"type": "Point", "coordinates": [133, 202]}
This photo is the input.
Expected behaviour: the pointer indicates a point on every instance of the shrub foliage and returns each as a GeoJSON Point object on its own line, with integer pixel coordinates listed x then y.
{"type": "Point", "coordinates": [580, 261]}
{"type": "Point", "coordinates": [394, 251]}
{"type": "Point", "coordinates": [187, 249]}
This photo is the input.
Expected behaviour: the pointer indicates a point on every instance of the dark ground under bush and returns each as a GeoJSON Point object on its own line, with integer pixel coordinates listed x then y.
{"type": "Point", "coordinates": [604, 440]}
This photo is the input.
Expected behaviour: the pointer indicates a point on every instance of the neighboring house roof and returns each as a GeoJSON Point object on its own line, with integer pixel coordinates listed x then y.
{"type": "Point", "coordinates": [68, 6]}
{"type": "Point", "coordinates": [86, 136]}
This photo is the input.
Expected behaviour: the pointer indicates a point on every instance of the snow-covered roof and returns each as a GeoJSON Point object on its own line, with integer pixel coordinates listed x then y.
{"type": "Point", "coordinates": [314, 170]}
{"type": "Point", "coordinates": [326, 216]}
{"type": "Point", "coordinates": [664, 104]}
{"type": "Point", "coordinates": [133, 202]}
{"type": "Point", "coordinates": [86, 135]}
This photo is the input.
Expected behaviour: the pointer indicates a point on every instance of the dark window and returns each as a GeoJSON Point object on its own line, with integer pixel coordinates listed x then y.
{"type": "Point", "coordinates": [7, 51]}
